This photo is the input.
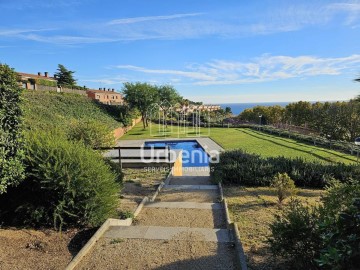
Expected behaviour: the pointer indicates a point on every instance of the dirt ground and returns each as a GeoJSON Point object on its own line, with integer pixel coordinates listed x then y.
{"type": "Point", "coordinates": [137, 254]}
{"type": "Point", "coordinates": [200, 196]}
{"type": "Point", "coordinates": [253, 209]}
{"type": "Point", "coordinates": [39, 249]}
{"type": "Point", "coordinates": [137, 184]}
{"type": "Point", "coordinates": [167, 217]}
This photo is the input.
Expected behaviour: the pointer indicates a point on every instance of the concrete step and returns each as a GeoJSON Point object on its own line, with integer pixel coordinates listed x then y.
{"type": "Point", "coordinates": [190, 180]}
{"type": "Point", "coordinates": [169, 233]}
{"type": "Point", "coordinates": [191, 187]}
{"type": "Point", "coordinates": [182, 217]}
{"type": "Point", "coordinates": [190, 205]}
{"type": "Point", "coordinates": [200, 196]}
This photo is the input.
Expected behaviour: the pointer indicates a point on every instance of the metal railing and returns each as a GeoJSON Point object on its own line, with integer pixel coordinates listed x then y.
{"type": "Point", "coordinates": [121, 157]}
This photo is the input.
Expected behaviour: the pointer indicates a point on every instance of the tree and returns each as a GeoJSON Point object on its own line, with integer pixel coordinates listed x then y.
{"type": "Point", "coordinates": [168, 97]}
{"type": "Point", "coordinates": [228, 111]}
{"type": "Point", "coordinates": [11, 141]}
{"type": "Point", "coordinates": [65, 76]}
{"type": "Point", "coordinates": [141, 96]}
{"type": "Point", "coordinates": [284, 186]}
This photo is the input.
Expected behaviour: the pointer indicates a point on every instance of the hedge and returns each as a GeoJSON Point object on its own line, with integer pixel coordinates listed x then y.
{"type": "Point", "coordinates": [241, 168]}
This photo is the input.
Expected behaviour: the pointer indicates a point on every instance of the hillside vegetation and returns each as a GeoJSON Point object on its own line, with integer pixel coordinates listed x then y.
{"type": "Point", "coordinates": [48, 110]}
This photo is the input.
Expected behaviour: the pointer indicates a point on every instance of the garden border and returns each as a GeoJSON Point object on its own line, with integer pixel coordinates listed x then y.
{"type": "Point", "coordinates": [113, 222]}
{"type": "Point", "coordinates": [231, 226]}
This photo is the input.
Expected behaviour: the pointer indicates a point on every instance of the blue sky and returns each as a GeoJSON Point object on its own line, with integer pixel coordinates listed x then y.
{"type": "Point", "coordinates": [212, 51]}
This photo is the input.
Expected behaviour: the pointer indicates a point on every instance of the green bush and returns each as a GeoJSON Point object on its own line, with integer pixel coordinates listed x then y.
{"type": "Point", "coordinates": [45, 82]}
{"type": "Point", "coordinates": [295, 235]}
{"type": "Point", "coordinates": [326, 236]}
{"type": "Point", "coordinates": [91, 133]}
{"type": "Point", "coordinates": [11, 141]}
{"type": "Point", "coordinates": [67, 184]}
{"type": "Point", "coordinates": [284, 186]}
{"type": "Point", "coordinates": [238, 167]}
{"type": "Point", "coordinates": [342, 242]}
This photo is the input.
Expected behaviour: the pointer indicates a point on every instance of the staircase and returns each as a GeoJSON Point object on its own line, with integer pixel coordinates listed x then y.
{"type": "Point", "coordinates": [184, 228]}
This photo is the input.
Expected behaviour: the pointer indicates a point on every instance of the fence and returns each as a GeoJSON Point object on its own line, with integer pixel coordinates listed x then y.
{"type": "Point", "coordinates": [116, 153]}
{"type": "Point", "coordinates": [39, 87]}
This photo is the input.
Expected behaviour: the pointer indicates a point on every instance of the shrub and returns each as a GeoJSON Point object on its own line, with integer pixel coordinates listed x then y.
{"type": "Point", "coordinates": [91, 133]}
{"type": "Point", "coordinates": [67, 184]}
{"type": "Point", "coordinates": [238, 167]}
{"type": "Point", "coordinates": [11, 141]}
{"type": "Point", "coordinates": [295, 234]}
{"type": "Point", "coordinates": [341, 244]}
{"type": "Point", "coordinates": [284, 186]}
{"type": "Point", "coordinates": [327, 236]}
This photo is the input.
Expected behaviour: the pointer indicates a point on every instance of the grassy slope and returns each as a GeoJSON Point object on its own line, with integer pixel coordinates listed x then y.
{"type": "Point", "coordinates": [250, 141]}
{"type": "Point", "coordinates": [46, 110]}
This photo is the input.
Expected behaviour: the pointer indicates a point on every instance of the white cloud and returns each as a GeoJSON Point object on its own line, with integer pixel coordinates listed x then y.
{"type": "Point", "coordinates": [19, 32]}
{"type": "Point", "coordinates": [186, 74]}
{"type": "Point", "coordinates": [152, 18]}
{"type": "Point", "coordinates": [235, 24]}
{"type": "Point", "coordinates": [261, 69]}
{"type": "Point", "coordinates": [351, 10]}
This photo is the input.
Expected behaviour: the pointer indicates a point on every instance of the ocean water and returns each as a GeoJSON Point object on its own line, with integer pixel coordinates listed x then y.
{"type": "Point", "coordinates": [237, 108]}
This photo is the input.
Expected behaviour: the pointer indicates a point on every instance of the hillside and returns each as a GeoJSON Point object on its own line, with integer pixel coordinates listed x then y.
{"type": "Point", "coordinates": [47, 110]}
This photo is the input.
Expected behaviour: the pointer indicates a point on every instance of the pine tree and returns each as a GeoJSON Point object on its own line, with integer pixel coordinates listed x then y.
{"type": "Point", "coordinates": [65, 76]}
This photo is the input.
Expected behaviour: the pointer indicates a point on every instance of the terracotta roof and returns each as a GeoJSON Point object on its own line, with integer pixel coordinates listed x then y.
{"type": "Point", "coordinates": [35, 76]}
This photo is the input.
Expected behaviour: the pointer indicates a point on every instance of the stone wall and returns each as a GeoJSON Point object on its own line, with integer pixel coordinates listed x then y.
{"type": "Point", "coordinates": [119, 132]}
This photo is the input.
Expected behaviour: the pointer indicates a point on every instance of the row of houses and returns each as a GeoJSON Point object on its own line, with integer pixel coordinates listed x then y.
{"type": "Point", "coordinates": [44, 82]}
{"type": "Point", "coordinates": [199, 108]}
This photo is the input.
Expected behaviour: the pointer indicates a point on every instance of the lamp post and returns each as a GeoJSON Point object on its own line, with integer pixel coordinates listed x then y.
{"type": "Point", "coordinates": [260, 120]}
{"type": "Point", "coordinates": [357, 142]}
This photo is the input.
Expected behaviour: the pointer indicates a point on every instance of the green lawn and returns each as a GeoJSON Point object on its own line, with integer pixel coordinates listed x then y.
{"type": "Point", "coordinates": [247, 139]}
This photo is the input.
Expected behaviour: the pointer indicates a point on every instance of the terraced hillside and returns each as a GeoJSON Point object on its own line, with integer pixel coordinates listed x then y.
{"type": "Point", "coordinates": [46, 110]}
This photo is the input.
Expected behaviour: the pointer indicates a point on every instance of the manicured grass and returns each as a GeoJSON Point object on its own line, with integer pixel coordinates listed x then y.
{"type": "Point", "coordinates": [253, 209]}
{"type": "Point", "coordinates": [246, 139]}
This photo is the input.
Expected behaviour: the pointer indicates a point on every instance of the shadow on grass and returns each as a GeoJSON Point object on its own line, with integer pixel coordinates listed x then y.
{"type": "Point", "coordinates": [305, 144]}
{"type": "Point", "coordinates": [308, 194]}
{"type": "Point", "coordinates": [294, 148]}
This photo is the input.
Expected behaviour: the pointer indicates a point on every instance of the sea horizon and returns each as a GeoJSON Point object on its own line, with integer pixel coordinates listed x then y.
{"type": "Point", "coordinates": [239, 107]}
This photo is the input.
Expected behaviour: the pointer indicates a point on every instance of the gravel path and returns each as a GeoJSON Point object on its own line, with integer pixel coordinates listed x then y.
{"type": "Point", "coordinates": [189, 196]}
{"type": "Point", "coordinates": [168, 217]}
{"type": "Point", "coordinates": [159, 254]}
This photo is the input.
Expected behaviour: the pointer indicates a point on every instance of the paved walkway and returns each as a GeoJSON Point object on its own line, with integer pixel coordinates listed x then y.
{"type": "Point", "coordinates": [210, 147]}
{"type": "Point", "coordinates": [184, 228]}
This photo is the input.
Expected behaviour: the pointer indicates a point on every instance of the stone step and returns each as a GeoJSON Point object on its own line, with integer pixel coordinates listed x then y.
{"type": "Point", "coordinates": [190, 205]}
{"type": "Point", "coordinates": [182, 217]}
{"type": "Point", "coordinates": [190, 180]}
{"type": "Point", "coordinates": [200, 196]}
{"type": "Point", "coordinates": [169, 233]}
{"type": "Point", "coordinates": [191, 187]}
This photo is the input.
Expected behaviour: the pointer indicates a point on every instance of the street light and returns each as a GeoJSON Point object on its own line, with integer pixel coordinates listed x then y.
{"type": "Point", "coordinates": [357, 142]}
{"type": "Point", "coordinates": [260, 121]}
